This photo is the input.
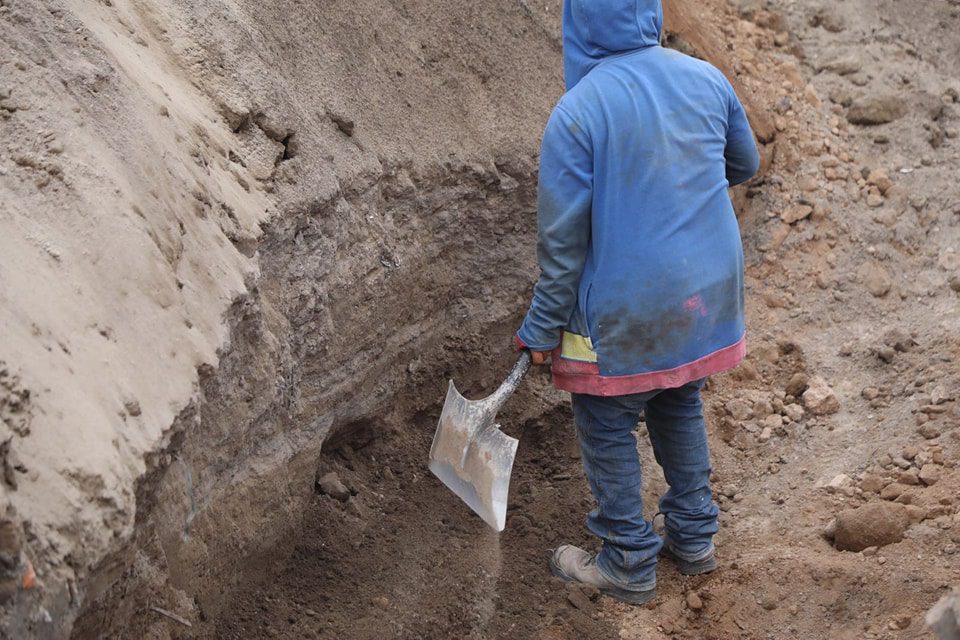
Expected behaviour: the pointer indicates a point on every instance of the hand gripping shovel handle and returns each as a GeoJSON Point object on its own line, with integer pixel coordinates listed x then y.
{"type": "Point", "coordinates": [503, 393]}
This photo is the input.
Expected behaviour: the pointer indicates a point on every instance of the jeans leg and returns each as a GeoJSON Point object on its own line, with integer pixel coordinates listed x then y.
{"type": "Point", "coordinates": [679, 439]}
{"type": "Point", "coordinates": [612, 465]}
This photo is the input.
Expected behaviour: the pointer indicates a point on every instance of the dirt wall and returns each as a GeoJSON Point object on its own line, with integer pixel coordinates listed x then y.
{"type": "Point", "coordinates": [231, 232]}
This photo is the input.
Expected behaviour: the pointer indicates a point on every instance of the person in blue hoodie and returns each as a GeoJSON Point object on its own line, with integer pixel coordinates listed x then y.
{"type": "Point", "coordinates": [640, 296]}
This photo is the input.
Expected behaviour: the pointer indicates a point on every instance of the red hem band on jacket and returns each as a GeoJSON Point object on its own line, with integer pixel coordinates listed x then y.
{"type": "Point", "coordinates": [585, 378]}
{"type": "Point", "coordinates": [518, 343]}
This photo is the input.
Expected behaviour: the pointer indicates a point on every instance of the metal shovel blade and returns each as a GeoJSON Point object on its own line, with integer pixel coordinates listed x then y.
{"type": "Point", "coordinates": [471, 455]}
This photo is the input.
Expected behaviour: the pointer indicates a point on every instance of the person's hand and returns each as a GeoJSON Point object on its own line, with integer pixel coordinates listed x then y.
{"type": "Point", "coordinates": [539, 358]}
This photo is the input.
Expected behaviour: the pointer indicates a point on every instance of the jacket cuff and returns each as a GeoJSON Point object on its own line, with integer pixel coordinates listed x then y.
{"type": "Point", "coordinates": [524, 341]}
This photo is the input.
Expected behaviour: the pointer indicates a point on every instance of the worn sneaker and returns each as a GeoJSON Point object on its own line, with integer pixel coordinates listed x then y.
{"type": "Point", "coordinates": [707, 564]}
{"type": "Point", "coordinates": [573, 564]}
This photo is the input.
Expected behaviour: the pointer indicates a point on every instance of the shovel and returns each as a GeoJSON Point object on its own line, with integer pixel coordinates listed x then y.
{"type": "Point", "coordinates": [471, 455]}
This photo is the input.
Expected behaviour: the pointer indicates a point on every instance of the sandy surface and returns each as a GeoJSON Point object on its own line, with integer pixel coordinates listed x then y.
{"type": "Point", "coordinates": [122, 234]}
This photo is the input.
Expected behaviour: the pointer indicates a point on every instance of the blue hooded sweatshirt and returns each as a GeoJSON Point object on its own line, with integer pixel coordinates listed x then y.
{"type": "Point", "coordinates": [641, 282]}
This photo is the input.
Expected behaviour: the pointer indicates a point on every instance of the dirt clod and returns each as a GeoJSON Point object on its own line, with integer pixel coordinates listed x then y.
{"type": "Point", "coordinates": [876, 524]}
{"type": "Point", "coordinates": [331, 485]}
{"type": "Point", "coordinates": [876, 109]}
{"type": "Point", "coordinates": [797, 385]}
{"type": "Point", "coordinates": [819, 398]}
{"type": "Point", "coordinates": [930, 474]}
{"type": "Point", "coordinates": [929, 430]}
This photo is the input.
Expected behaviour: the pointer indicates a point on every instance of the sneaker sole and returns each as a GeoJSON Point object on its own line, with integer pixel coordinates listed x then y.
{"type": "Point", "coordinates": [623, 595]}
{"type": "Point", "coordinates": [687, 568]}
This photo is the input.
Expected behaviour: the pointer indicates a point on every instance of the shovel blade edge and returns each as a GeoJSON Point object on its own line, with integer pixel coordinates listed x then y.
{"type": "Point", "coordinates": [481, 478]}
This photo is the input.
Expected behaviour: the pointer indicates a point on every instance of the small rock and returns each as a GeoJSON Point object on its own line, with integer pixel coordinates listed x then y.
{"type": "Point", "coordinates": [380, 601]}
{"type": "Point", "coordinates": [331, 485]}
{"type": "Point", "coordinates": [765, 435]}
{"type": "Point", "coordinates": [819, 398]}
{"type": "Point", "coordinates": [739, 410]}
{"type": "Point", "coordinates": [910, 477]}
{"type": "Point", "coordinates": [930, 474]}
{"type": "Point", "coordinates": [828, 18]}
{"type": "Point", "coordinates": [842, 65]}
{"type": "Point", "coordinates": [941, 395]}
{"type": "Point", "coordinates": [893, 491]}
{"type": "Point", "coordinates": [876, 109]}
{"type": "Point", "coordinates": [795, 213]}
{"type": "Point", "coordinates": [876, 524]}
{"type": "Point", "coordinates": [887, 354]}
{"type": "Point", "coordinates": [871, 483]}
{"type": "Point", "coordinates": [774, 421]}
{"type": "Point", "coordinates": [578, 599]}
{"type": "Point", "coordinates": [797, 385]}
{"type": "Point", "coordinates": [794, 411]}
{"type": "Point", "coordinates": [694, 601]}
{"type": "Point", "coordinates": [830, 531]}
{"type": "Point", "coordinates": [880, 179]}
{"type": "Point", "coordinates": [874, 200]}
{"type": "Point", "coordinates": [877, 280]}
{"type": "Point", "coordinates": [841, 481]}
{"type": "Point", "coordinates": [899, 340]}
{"type": "Point", "coordinates": [916, 514]}
{"type": "Point", "coordinates": [807, 183]}
{"type": "Point", "coordinates": [929, 431]}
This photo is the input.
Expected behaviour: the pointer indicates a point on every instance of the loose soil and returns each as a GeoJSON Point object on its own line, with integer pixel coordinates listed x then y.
{"type": "Point", "coordinates": [402, 559]}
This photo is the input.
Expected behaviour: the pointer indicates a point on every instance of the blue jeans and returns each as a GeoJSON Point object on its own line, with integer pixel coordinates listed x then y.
{"type": "Point", "coordinates": [612, 464]}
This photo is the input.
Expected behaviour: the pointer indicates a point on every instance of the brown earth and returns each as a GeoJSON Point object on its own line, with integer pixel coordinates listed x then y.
{"type": "Point", "coordinates": [382, 245]}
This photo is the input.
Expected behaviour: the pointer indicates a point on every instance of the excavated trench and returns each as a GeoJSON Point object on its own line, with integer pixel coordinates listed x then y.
{"type": "Point", "coordinates": [338, 362]}
{"type": "Point", "coordinates": [365, 305]}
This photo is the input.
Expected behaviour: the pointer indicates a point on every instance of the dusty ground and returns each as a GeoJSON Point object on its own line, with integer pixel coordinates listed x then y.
{"type": "Point", "coordinates": [849, 397]}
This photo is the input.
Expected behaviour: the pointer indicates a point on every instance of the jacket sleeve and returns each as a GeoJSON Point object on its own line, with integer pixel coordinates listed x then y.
{"type": "Point", "coordinates": [564, 204]}
{"type": "Point", "coordinates": [743, 160]}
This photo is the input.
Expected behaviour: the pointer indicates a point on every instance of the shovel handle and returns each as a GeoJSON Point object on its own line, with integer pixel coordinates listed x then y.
{"type": "Point", "coordinates": [503, 393]}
